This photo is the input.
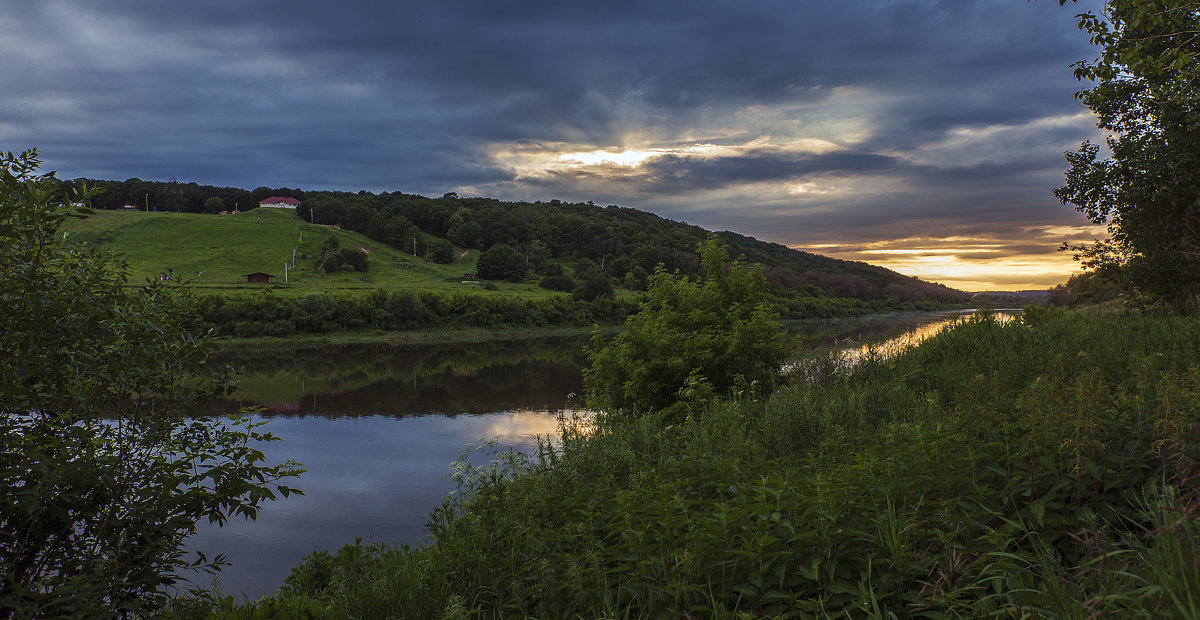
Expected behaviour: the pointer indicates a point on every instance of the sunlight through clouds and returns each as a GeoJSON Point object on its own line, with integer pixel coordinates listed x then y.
{"type": "Point", "coordinates": [762, 118]}
{"type": "Point", "coordinates": [539, 160]}
{"type": "Point", "coordinates": [814, 124]}
{"type": "Point", "coordinates": [604, 157]}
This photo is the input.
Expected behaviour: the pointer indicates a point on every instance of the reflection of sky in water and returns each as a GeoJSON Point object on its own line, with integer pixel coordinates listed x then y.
{"type": "Point", "coordinates": [894, 346]}
{"type": "Point", "coordinates": [881, 339]}
{"type": "Point", "coordinates": [377, 477]}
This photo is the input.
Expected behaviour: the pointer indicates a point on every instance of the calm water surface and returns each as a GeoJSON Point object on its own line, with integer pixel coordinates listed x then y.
{"type": "Point", "coordinates": [377, 427]}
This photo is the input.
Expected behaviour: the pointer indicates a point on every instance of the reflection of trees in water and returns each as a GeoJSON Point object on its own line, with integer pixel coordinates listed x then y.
{"type": "Point", "coordinates": [353, 380]}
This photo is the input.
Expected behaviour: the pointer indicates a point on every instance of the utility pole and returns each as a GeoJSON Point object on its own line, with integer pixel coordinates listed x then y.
{"type": "Point", "coordinates": [414, 245]}
{"type": "Point", "coordinates": [285, 271]}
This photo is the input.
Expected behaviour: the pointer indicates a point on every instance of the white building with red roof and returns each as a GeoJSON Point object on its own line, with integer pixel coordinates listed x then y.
{"type": "Point", "coordinates": [279, 202]}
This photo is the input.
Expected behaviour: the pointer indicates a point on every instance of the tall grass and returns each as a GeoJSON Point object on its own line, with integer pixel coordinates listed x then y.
{"type": "Point", "coordinates": [1040, 468]}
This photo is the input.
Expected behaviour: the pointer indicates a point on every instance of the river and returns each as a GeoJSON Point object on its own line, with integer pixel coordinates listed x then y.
{"type": "Point", "coordinates": [377, 427]}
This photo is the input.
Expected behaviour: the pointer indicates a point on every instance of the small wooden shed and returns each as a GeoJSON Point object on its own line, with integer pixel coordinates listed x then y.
{"type": "Point", "coordinates": [259, 277]}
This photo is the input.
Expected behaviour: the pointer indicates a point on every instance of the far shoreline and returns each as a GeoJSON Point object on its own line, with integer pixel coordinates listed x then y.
{"type": "Point", "coordinates": [452, 334]}
{"type": "Point", "coordinates": [446, 335]}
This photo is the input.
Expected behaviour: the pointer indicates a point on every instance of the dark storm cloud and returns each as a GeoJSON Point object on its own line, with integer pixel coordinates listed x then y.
{"type": "Point", "coordinates": [421, 97]}
{"type": "Point", "coordinates": [684, 174]}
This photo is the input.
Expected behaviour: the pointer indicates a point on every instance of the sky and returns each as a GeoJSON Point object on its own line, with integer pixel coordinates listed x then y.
{"type": "Point", "coordinates": [921, 135]}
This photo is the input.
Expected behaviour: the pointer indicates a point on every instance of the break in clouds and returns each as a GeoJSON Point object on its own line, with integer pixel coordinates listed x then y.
{"type": "Point", "coordinates": [921, 135]}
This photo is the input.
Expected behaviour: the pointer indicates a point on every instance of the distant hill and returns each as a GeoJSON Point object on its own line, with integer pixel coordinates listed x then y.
{"type": "Point", "coordinates": [402, 231]}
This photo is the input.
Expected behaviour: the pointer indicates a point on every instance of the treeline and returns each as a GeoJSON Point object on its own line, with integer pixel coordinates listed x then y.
{"type": "Point", "coordinates": [553, 240]}
{"type": "Point", "coordinates": [266, 314]}
{"type": "Point", "coordinates": [179, 197]}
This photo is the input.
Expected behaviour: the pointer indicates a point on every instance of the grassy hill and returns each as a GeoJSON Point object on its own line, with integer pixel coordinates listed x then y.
{"type": "Point", "coordinates": [576, 240]}
{"type": "Point", "coordinates": [217, 251]}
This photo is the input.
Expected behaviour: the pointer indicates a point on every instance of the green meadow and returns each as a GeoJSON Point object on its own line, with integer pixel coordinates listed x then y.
{"type": "Point", "coordinates": [217, 251]}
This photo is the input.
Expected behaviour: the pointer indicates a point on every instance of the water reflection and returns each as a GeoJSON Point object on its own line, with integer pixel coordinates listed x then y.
{"type": "Point", "coordinates": [843, 345]}
{"type": "Point", "coordinates": [407, 380]}
{"type": "Point", "coordinates": [913, 336]}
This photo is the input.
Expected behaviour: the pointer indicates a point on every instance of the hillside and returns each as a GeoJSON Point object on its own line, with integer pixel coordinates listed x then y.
{"type": "Point", "coordinates": [217, 251]}
{"type": "Point", "coordinates": [576, 241]}
{"type": "Point", "coordinates": [626, 244]}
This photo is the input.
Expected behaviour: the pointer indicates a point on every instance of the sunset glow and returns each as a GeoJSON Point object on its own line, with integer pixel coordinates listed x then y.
{"type": "Point", "coordinates": [975, 264]}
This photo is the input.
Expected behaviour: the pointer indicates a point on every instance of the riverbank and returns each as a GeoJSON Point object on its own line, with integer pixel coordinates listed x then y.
{"type": "Point", "coordinates": [414, 337]}
{"type": "Point", "coordinates": [1043, 467]}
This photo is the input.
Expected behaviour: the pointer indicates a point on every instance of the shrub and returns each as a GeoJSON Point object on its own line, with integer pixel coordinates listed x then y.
{"type": "Point", "coordinates": [405, 307]}
{"type": "Point", "coordinates": [719, 332]}
{"type": "Point", "coordinates": [103, 472]}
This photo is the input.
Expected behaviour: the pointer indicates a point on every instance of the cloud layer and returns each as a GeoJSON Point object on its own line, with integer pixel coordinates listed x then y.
{"type": "Point", "coordinates": [923, 135]}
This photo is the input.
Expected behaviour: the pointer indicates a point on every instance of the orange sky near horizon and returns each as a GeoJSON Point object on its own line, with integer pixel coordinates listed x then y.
{"type": "Point", "coordinates": [1011, 274]}
{"type": "Point", "coordinates": [975, 264]}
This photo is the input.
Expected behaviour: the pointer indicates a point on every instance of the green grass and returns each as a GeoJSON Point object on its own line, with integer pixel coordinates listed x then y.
{"type": "Point", "coordinates": [1045, 468]}
{"type": "Point", "coordinates": [216, 251]}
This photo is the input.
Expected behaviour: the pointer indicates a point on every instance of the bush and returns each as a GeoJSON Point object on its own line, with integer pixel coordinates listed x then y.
{"type": "Point", "coordinates": [719, 332]}
{"type": "Point", "coordinates": [103, 471]}
{"type": "Point", "coordinates": [333, 258]}
{"type": "Point", "coordinates": [405, 308]}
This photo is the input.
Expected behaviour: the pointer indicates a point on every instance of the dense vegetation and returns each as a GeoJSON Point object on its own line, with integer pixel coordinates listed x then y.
{"type": "Point", "coordinates": [268, 314]}
{"type": "Point", "coordinates": [1047, 467]}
